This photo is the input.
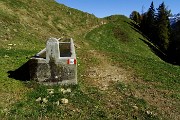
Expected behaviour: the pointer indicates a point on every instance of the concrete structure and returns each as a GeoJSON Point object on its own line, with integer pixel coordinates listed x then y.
{"type": "Point", "coordinates": [56, 64]}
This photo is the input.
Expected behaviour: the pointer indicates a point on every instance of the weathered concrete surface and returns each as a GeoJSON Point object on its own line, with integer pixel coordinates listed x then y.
{"type": "Point", "coordinates": [48, 67]}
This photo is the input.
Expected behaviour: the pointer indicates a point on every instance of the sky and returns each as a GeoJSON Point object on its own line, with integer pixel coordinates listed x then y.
{"type": "Point", "coordinates": [103, 8]}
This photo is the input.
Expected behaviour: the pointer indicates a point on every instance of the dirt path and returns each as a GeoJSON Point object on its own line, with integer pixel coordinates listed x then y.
{"type": "Point", "coordinates": [104, 73]}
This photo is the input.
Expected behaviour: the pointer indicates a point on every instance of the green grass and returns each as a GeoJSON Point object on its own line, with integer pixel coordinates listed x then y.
{"type": "Point", "coordinates": [7, 17]}
{"type": "Point", "coordinates": [15, 4]}
{"type": "Point", "coordinates": [82, 105]}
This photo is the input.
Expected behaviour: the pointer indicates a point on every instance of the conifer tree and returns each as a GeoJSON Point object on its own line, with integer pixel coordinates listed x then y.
{"type": "Point", "coordinates": [143, 24]}
{"type": "Point", "coordinates": [174, 48]}
{"type": "Point", "coordinates": [150, 22]}
{"type": "Point", "coordinates": [162, 27]}
{"type": "Point", "coordinates": [135, 16]}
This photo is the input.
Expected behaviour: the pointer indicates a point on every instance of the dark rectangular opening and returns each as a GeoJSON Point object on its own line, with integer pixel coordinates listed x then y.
{"type": "Point", "coordinates": [65, 49]}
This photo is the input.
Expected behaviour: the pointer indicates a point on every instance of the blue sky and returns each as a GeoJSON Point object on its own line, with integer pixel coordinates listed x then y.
{"type": "Point", "coordinates": [103, 8]}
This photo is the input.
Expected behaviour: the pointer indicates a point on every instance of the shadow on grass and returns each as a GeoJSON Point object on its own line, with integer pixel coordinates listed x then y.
{"type": "Point", "coordinates": [22, 73]}
{"type": "Point", "coordinates": [136, 28]}
{"type": "Point", "coordinates": [163, 56]}
{"type": "Point", "coordinates": [156, 51]}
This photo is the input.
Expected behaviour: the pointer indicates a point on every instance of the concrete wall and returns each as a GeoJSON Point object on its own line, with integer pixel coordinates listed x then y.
{"type": "Point", "coordinates": [48, 67]}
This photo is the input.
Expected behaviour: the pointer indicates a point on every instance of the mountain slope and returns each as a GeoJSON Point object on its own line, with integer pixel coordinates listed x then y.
{"type": "Point", "coordinates": [120, 39]}
{"type": "Point", "coordinates": [25, 27]}
{"type": "Point", "coordinates": [41, 19]}
{"type": "Point", "coordinates": [119, 76]}
{"type": "Point", "coordinates": [128, 48]}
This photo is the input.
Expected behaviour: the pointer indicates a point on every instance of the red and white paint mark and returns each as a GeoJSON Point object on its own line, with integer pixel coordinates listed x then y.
{"type": "Point", "coordinates": [71, 61]}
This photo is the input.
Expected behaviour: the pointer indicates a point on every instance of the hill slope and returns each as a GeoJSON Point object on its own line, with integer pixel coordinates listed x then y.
{"type": "Point", "coordinates": [119, 76]}
{"type": "Point", "coordinates": [153, 79]}
{"type": "Point", "coordinates": [41, 19]}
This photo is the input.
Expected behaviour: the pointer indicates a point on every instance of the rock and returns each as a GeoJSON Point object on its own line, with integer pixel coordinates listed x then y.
{"type": "Point", "coordinates": [135, 107]}
{"type": "Point", "coordinates": [38, 99]}
{"type": "Point", "coordinates": [57, 103]}
{"type": "Point", "coordinates": [6, 56]}
{"type": "Point", "coordinates": [68, 90]}
{"type": "Point", "coordinates": [50, 91]}
{"type": "Point", "coordinates": [8, 30]}
{"type": "Point", "coordinates": [65, 91]}
{"type": "Point", "coordinates": [15, 30]}
{"type": "Point", "coordinates": [9, 48]}
{"type": "Point", "coordinates": [10, 44]}
{"type": "Point", "coordinates": [149, 112]}
{"type": "Point", "coordinates": [61, 90]}
{"type": "Point", "coordinates": [44, 100]}
{"type": "Point", "coordinates": [64, 101]}
{"type": "Point", "coordinates": [36, 28]}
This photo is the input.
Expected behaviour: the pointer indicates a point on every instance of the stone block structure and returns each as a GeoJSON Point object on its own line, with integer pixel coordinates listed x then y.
{"type": "Point", "coordinates": [56, 64]}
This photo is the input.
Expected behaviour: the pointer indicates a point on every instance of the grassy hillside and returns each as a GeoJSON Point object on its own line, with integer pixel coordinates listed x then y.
{"type": "Point", "coordinates": [26, 25]}
{"type": "Point", "coordinates": [125, 45]}
{"type": "Point", "coordinates": [41, 19]}
{"type": "Point", "coordinates": [119, 77]}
